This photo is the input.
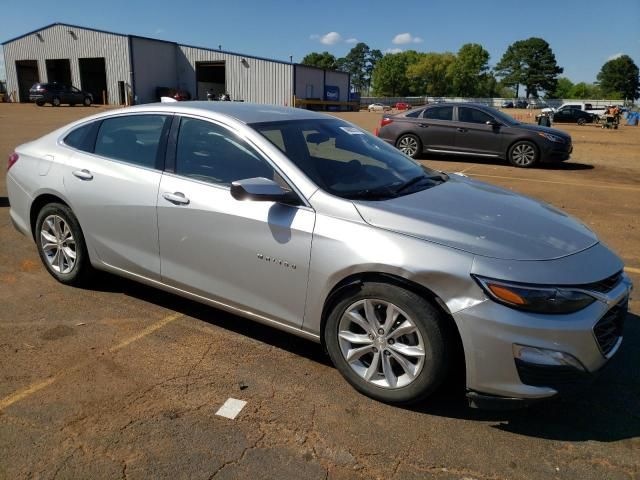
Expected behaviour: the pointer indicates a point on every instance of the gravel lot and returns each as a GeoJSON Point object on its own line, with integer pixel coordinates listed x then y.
{"type": "Point", "coordinates": [123, 381]}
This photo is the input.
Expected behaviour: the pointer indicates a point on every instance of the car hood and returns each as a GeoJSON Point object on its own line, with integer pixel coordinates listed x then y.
{"type": "Point", "coordinates": [481, 219]}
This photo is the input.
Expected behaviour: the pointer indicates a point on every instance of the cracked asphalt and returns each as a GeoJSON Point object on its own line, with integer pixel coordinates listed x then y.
{"type": "Point", "coordinates": [123, 381]}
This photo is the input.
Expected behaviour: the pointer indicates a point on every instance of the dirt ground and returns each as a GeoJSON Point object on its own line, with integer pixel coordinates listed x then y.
{"type": "Point", "coordinates": [123, 381]}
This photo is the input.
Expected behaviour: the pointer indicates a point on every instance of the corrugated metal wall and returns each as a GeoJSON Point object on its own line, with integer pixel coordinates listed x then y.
{"type": "Point", "coordinates": [57, 42]}
{"type": "Point", "coordinates": [154, 65]}
{"type": "Point", "coordinates": [252, 80]}
{"type": "Point", "coordinates": [310, 82]}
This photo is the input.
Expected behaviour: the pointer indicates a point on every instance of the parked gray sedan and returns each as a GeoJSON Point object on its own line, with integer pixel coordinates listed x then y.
{"type": "Point", "coordinates": [307, 223]}
{"type": "Point", "coordinates": [471, 129]}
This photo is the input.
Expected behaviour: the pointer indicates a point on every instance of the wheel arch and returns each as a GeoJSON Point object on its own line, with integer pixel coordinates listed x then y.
{"type": "Point", "coordinates": [523, 139]}
{"type": "Point", "coordinates": [38, 204]}
{"type": "Point", "coordinates": [354, 282]}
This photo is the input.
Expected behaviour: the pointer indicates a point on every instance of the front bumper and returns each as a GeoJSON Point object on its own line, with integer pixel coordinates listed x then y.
{"type": "Point", "coordinates": [556, 152]}
{"type": "Point", "coordinates": [489, 332]}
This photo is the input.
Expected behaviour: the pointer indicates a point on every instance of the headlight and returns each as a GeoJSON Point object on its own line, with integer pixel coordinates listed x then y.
{"type": "Point", "coordinates": [535, 298]}
{"type": "Point", "coordinates": [551, 137]}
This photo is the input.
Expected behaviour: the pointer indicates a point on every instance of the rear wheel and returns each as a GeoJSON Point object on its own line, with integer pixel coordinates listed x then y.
{"type": "Point", "coordinates": [410, 145]}
{"type": "Point", "coordinates": [523, 154]}
{"type": "Point", "coordinates": [389, 343]}
{"type": "Point", "coordinates": [61, 245]}
{"type": "Point", "coordinates": [55, 102]}
{"type": "Point", "coordinates": [581, 121]}
{"type": "Point", "coordinates": [40, 103]}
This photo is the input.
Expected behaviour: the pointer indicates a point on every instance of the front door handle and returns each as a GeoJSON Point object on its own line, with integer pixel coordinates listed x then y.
{"type": "Point", "coordinates": [83, 174]}
{"type": "Point", "coordinates": [178, 198]}
{"type": "Point", "coordinates": [423, 125]}
{"type": "Point", "coordinates": [462, 130]}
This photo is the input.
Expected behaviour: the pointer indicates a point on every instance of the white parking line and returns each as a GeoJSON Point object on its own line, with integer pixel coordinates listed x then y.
{"type": "Point", "coordinates": [231, 408]}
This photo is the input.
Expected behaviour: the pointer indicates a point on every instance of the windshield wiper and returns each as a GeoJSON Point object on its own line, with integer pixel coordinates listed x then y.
{"type": "Point", "coordinates": [370, 194]}
{"type": "Point", "coordinates": [415, 180]}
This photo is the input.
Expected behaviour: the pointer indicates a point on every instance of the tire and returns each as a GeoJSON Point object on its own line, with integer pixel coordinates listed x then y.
{"type": "Point", "coordinates": [55, 102]}
{"type": "Point", "coordinates": [57, 226]}
{"type": "Point", "coordinates": [523, 154]}
{"type": "Point", "coordinates": [581, 121]}
{"type": "Point", "coordinates": [417, 338]}
{"type": "Point", "coordinates": [86, 102]}
{"type": "Point", "coordinates": [410, 145]}
{"type": "Point", "coordinates": [40, 103]}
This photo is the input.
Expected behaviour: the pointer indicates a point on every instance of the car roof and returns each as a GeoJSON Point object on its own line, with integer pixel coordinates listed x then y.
{"type": "Point", "coordinates": [241, 111]}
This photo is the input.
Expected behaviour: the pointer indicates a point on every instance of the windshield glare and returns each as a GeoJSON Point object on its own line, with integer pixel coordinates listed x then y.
{"type": "Point", "coordinates": [504, 118]}
{"type": "Point", "coordinates": [343, 159]}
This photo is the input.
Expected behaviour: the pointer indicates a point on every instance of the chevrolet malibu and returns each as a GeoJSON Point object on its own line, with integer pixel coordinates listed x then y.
{"type": "Point", "coordinates": [307, 223]}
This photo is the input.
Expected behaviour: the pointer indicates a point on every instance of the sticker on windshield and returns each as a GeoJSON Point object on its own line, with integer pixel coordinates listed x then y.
{"type": "Point", "coordinates": [352, 130]}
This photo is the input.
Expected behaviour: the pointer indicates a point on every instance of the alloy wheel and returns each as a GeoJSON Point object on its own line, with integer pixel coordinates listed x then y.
{"type": "Point", "coordinates": [523, 155]}
{"type": "Point", "coordinates": [381, 343]}
{"type": "Point", "coordinates": [408, 145]}
{"type": "Point", "coordinates": [58, 244]}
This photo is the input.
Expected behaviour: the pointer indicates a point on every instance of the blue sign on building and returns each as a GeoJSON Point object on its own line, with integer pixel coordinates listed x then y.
{"type": "Point", "coordinates": [331, 93]}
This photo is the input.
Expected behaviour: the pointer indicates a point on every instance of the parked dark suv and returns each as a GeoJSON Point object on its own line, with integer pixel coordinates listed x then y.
{"type": "Point", "coordinates": [58, 93]}
{"type": "Point", "coordinates": [473, 130]}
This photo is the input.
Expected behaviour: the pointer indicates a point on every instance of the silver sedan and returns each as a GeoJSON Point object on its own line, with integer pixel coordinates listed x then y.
{"type": "Point", "coordinates": [307, 223]}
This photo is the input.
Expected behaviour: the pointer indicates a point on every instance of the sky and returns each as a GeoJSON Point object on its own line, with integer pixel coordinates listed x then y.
{"type": "Point", "coordinates": [583, 34]}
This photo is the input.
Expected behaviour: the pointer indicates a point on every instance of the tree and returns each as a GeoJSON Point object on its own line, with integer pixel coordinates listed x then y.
{"type": "Point", "coordinates": [432, 74]}
{"type": "Point", "coordinates": [320, 60]}
{"type": "Point", "coordinates": [530, 63]}
{"type": "Point", "coordinates": [390, 75]}
{"type": "Point", "coordinates": [564, 86]}
{"type": "Point", "coordinates": [620, 76]}
{"type": "Point", "coordinates": [469, 71]}
{"type": "Point", "coordinates": [360, 63]}
{"type": "Point", "coordinates": [584, 91]}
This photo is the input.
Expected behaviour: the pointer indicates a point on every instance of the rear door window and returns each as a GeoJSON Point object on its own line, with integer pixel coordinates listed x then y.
{"type": "Point", "coordinates": [439, 113]}
{"type": "Point", "coordinates": [133, 139]}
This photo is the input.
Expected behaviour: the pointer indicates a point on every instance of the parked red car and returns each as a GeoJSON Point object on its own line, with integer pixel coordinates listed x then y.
{"type": "Point", "coordinates": [402, 106]}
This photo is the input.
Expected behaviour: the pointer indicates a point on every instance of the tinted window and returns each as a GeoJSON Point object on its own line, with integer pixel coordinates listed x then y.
{"type": "Point", "coordinates": [414, 113]}
{"type": "Point", "coordinates": [81, 138]}
{"type": "Point", "coordinates": [210, 153]}
{"type": "Point", "coordinates": [439, 113]}
{"type": "Point", "coordinates": [134, 138]}
{"type": "Point", "coordinates": [471, 115]}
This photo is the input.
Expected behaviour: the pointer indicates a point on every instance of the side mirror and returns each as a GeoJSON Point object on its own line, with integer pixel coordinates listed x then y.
{"type": "Point", "coordinates": [262, 189]}
{"type": "Point", "coordinates": [493, 123]}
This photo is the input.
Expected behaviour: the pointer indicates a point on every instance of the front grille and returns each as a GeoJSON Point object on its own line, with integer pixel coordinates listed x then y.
{"type": "Point", "coordinates": [609, 327]}
{"type": "Point", "coordinates": [606, 285]}
{"type": "Point", "coordinates": [549, 376]}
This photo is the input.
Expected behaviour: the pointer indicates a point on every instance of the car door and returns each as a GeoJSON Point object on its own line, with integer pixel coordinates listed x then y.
{"type": "Point", "coordinates": [245, 254]}
{"type": "Point", "coordinates": [113, 190]}
{"type": "Point", "coordinates": [436, 128]}
{"type": "Point", "coordinates": [473, 134]}
{"type": "Point", "coordinates": [76, 95]}
{"type": "Point", "coordinates": [564, 115]}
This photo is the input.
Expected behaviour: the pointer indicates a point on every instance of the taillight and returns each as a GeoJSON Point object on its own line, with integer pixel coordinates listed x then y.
{"type": "Point", "coordinates": [13, 158]}
{"type": "Point", "coordinates": [385, 121]}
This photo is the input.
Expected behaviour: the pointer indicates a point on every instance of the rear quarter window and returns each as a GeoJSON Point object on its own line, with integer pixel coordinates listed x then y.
{"type": "Point", "coordinates": [81, 138]}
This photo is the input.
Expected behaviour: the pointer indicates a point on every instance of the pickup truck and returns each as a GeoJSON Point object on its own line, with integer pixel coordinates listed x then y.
{"type": "Point", "coordinates": [586, 107]}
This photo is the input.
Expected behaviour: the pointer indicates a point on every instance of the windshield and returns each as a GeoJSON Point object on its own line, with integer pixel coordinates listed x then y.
{"type": "Point", "coordinates": [346, 161]}
{"type": "Point", "coordinates": [503, 117]}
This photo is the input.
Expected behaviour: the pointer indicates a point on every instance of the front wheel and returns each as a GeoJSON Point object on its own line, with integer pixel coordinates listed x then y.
{"type": "Point", "coordinates": [389, 343]}
{"type": "Point", "coordinates": [523, 154]}
{"type": "Point", "coordinates": [61, 245]}
{"type": "Point", "coordinates": [87, 102]}
{"type": "Point", "coordinates": [581, 121]}
{"type": "Point", "coordinates": [55, 102]}
{"type": "Point", "coordinates": [410, 145]}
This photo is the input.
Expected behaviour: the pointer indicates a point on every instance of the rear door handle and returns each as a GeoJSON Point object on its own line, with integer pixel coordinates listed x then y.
{"type": "Point", "coordinates": [178, 198]}
{"type": "Point", "coordinates": [462, 130]}
{"type": "Point", "coordinates": [83, 174]}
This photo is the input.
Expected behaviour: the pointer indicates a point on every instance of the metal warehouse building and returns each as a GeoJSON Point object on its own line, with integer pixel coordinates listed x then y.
{"type": "Point", "coordinates": [119, 67]}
